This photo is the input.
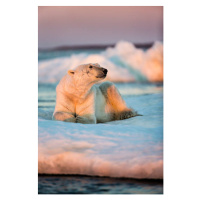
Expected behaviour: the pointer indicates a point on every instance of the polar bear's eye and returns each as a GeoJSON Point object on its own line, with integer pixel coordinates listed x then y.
{"type": "Point", "coordinates": [90, 66]}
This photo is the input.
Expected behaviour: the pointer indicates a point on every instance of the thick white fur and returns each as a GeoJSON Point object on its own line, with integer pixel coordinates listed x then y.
{"type": "Point", "coordinates": [79, 99]}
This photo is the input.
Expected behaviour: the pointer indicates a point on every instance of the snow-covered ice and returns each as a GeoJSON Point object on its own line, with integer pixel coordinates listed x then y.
{"type": "Point", "coordinates": [127, 148]}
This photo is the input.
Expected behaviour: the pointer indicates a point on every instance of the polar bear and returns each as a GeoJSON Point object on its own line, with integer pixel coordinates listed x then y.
{"type": "Point", "coordinates": [80, 99]}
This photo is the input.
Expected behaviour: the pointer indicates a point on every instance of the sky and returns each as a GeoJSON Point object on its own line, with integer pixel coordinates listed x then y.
{"type": "Point", "coordinates": [98, 25]}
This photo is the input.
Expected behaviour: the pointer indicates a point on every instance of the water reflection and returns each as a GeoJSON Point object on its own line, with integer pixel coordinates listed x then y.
{"type": "Point", "coordinates": [76, 184]}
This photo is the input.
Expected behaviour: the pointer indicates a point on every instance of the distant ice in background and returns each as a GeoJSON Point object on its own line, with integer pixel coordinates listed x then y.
{"type": "Point", "coordinates": [125, 63]}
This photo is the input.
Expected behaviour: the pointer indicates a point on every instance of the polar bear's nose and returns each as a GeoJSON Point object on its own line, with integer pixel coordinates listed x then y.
{"type": "Point", "coordinates": [105, 71]}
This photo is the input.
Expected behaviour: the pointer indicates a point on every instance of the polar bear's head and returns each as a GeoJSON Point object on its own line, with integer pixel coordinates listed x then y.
{"type": "Point", "coordinates": [88, 73]}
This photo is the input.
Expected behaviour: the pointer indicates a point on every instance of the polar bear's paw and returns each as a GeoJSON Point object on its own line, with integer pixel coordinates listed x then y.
{"type": "Point", "coordinates": [127, 114]}
{"type": "Point", "coordinates": [86, 119]}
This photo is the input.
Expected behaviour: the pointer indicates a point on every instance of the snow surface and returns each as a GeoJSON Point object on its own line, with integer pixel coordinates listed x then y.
{"type": "Point", "coordinates": [127, 148]}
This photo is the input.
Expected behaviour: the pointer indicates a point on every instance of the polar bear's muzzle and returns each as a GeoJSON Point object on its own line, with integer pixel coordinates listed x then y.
{"type": "Point", "coordinates": [102, 73]}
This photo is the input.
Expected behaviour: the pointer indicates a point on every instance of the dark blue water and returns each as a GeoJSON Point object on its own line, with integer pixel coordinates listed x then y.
{"type": "Point", "coordinates": [75, 184]}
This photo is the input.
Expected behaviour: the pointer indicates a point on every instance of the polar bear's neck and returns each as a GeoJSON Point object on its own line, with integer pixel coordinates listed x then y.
{"type": "Point", "coordinates": [78, 89]}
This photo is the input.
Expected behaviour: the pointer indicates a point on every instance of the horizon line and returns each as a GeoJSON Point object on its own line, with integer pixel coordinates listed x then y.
{"type": "Point", "coordinates": [93, 46]}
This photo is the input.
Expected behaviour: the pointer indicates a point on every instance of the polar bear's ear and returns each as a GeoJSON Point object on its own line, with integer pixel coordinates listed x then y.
{"type": "Point", "coordinates": [71, 72]}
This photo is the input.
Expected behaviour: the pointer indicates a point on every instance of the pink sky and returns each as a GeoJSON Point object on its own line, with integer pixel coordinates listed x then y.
{"type": "Point", "coordinates": [83, 25]}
